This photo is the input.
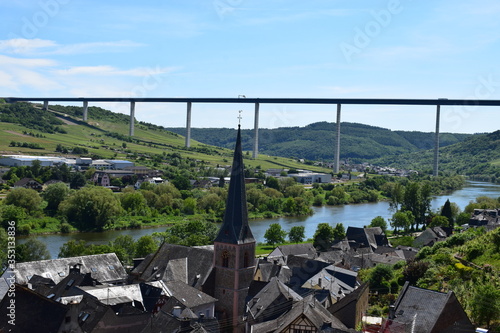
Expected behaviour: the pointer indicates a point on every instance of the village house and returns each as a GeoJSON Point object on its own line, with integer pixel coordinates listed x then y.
{"type": "Point", "coordinates": [430, 236]}
{"type": "Point", "coordinates": [489, 218]}
{"type": "Point", "coordinates": [426, 311]}
{"type": "Point", "coordinates": [28, 183]}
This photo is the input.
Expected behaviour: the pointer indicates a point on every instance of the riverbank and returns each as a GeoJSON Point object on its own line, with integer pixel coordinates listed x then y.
{"type": "Point", "coordinates": [355, 215]}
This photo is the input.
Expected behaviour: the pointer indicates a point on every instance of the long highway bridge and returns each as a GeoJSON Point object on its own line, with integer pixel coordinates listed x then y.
{"type": "Point", "coordinates": [257, 101]}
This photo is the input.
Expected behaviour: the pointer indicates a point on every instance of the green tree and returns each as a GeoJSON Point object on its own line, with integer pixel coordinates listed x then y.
{"type": "Point", "coordinates": [11, 213]}
{"type": "Point", "coordinates": [379, 278]}
{"type": "Point", "coordinates": [323, 236]}
{"type": "Point", "coordinates": [414, 270]}
{"type": "Point", "coordinates": [485, 304]}
{"type": "Point", "coordinates": [273, 182]}
{"type": "Point", "coordinates": [378, 221]}
{"type": "Point", "coordinates": [401, 221]}
{"type": "Point", "coordinates": [145, 245]}
{"type": "Point", "coordinates": [463, 218]}
{"type": "Point", "coordinates": [91, 208]}
{"type": "Point", "coordinates": [181, 182]}
{"type": "Point", "coordinates": [339, 232]}
{"type": "Point", "coordinates": [189, 206]}
{"type": "Point", "coordinates": [32, 250]}
{"type": "Point", "coordinates": [447, 212]}
{"type": "Point", "coordinates": [73, 248]}
{"type": "Point", "coordinates": [54, 194]}
{"type": "Point", "coordinates": [440, 221]}
{"type": "Point", "coordinates": [297, 234]}
{"type": "Point", "coordinates": [25, 198]}
{"type": "Point", "coordinates": [124, 247]}
{"type": "Point", "coordinates": [396, 196]}
{"type": "Point", "coordinates": [192, 233]}
{"type": "Point", "coordinates": [134, 203]}
{"type": "Point", "coordinates": [275, 234]}
{"type": "Point", "coordinates": [77, 180]}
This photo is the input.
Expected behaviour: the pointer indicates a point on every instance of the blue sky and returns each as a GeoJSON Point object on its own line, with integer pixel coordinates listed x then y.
{"type": "Point", "coordinates": [256, 48]}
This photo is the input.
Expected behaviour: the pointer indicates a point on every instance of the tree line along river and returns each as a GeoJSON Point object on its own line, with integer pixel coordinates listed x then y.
{"type": "Point", "coordinates": [355, 215]}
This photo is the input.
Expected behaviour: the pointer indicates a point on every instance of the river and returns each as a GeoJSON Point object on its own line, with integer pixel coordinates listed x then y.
{"type": "Point", "coordinates": [357, 215]}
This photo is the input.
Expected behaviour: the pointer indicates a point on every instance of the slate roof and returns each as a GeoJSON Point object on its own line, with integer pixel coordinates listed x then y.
{"type": "Point", "coordinates": [165, 322]}
{"type": "Point", "coordinates": [429, 311]}
{"type": "Point", "coordinates": [367, 237]}
{"type": "Point", "coordinates": [338, 280]}
{"type": "Point", "coordinates": [235, 228]}
{"type": "Point", "coordinates": [268, 269]}
{"type": "Point", "coordinates": [25, 181]}
{"type": "Point", "coordinates": [68, 286]}
{"type": "Point", "coordinates": [313, 311]}
{"type": "Point", "coordinates": [430, 236]}
{"type": "Point", "coordinates": [34, 312]}
{"type": "Point", "coordinates": [302, 270]}
{"type": "Point", "coordinates": [188, 263]}
{"type": "Point", "coordinates": [294, 249]}
{"type": "Point", "coordinates": [188, 296]}
{"type": "Point", "coordinates": [103, 267]}
{"type": "Point", "coordinates": [274, 299]}
{"type": "Point", "coordinates": [112, 295]}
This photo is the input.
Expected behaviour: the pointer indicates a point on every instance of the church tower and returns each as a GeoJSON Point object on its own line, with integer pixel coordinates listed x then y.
{"type": "Point", "coordinates": [234, 251]}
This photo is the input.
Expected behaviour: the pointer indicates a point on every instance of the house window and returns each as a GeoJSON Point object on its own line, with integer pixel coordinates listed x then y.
{"type": "Point", "coordinates": [225, 259]}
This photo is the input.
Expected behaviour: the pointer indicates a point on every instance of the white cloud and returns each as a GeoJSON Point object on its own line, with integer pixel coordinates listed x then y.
{"type": "Point", "coordinates": [105, 70]}
{"type": "Point", "coordinates": [6, 81]}
{"type": "Point", "coordinates": [35, 80]}
{"type": "Point", "coordinates": [95, 47]}
{"type": "Point", "coordinates": [49, 47]}
{"type": "Point", "coordinates": [22, 45]}
{"type": "Point", "coordinates": [10, 61]}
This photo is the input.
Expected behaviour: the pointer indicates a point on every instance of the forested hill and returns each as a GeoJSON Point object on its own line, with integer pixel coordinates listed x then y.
{"type": "Point", "coordinates": [478, 155]}
{"type": "Point", "coordinates": [317, 141]}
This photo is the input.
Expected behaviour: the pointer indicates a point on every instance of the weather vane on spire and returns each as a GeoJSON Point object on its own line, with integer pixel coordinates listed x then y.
{"type": "Point", "coordinates": [239, 117]}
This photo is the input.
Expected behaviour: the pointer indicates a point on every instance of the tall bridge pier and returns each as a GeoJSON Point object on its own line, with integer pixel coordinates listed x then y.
{"type": "Point", "coordinates": [85, 110]}
{"type": "Point", "coordinates": [132, 118]}
{"type": "Point", "coordinates": [255, 153]}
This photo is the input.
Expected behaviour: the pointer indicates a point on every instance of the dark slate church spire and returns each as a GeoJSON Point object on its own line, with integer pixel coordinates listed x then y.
{"type": "Point", "coordinates": [235, 229]}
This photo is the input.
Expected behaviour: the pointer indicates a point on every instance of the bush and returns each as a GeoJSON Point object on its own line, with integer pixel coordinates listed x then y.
{"type": "Point", "coordinates": [23, 230]}
{"type": "Point", "coordinates": [474, 250]}
{"type": "Point", "coordinates": [65, 228]}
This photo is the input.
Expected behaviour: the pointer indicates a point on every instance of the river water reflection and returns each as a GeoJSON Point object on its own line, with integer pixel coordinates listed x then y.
{"type": "Point", "coordinates": [357, 215]}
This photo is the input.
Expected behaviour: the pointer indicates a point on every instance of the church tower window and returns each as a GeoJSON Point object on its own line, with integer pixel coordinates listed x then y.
{"type": "Point", "coordinates": [225, 259]}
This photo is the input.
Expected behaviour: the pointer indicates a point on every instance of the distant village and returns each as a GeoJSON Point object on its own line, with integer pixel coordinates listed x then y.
{"type": "Point", "coordinates": [223, 287]}
{"type": "Point", "coordinates": [109, 169]}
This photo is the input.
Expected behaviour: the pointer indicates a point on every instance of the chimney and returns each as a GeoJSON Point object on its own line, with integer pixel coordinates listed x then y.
{"type": "Point", "coordinates": [392, 311]}
{"type": "Point", "coordinates": [75, 268]}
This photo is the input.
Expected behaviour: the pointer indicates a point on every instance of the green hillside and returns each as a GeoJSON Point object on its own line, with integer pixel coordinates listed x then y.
{"type": "Point", "coordinates": [26, 129]}
{"type": "Point", "coordinates": [317, 141]}
{"type": "Point", "coordinates": [478, 156]}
